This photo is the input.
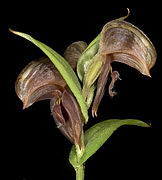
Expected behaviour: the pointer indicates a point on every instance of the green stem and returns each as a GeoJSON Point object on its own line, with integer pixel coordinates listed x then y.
{"type": "Point", "coordinates": [80, 151]}
{"type": "Point", "coordinates": [80, 172]}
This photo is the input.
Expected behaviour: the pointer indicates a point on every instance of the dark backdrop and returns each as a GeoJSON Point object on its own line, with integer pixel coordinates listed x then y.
{"type": "Point", "coordinates": [33, 147]}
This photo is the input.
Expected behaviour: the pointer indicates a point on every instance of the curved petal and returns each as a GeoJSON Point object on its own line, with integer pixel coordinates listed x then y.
{"type": "Point", "coordinates": [73, 52]}
{"type": "Point", "coordinates": [37, 81]}
{"type": "Point", "coordinates": [67, 115]}
{"type": "Point", "coordinates": [127, 44]}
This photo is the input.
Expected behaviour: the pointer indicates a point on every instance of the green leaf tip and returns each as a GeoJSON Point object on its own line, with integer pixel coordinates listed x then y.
{"type": "Point", "coordinates": [26, 36]}
{"type": "Point", "coordinates": [10, 30]}
{"type": "Point", "coordinates": [63, 67]}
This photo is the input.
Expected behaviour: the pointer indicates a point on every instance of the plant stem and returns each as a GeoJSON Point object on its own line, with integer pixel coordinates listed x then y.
{"type": "Point", "coordinates": [80, 151]}
{"type": "Point", "coordinates": [80, 172]}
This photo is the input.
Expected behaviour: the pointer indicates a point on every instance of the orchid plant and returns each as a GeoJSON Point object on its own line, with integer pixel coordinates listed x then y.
{"type": "Point", "coordinates": [58, 78]}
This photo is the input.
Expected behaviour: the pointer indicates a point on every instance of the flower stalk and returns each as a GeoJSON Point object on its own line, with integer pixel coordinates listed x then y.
{"type": "Point", "coordinates": [80, 173]}
{"type": "Point", "coordinates": [79, 152]}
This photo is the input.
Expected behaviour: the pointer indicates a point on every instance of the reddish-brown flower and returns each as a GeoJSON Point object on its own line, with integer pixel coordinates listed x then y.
{"type": "Point", "coordinates": [40, 80]}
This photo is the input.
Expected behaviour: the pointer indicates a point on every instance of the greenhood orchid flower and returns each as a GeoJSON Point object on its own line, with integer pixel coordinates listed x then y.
{"type": "Point", "coordinates": [120, 41]}
{"type": "Point", "coordinates": [40, 80]}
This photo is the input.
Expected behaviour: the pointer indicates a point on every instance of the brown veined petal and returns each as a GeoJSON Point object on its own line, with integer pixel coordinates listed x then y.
{"type": "Point", "coordinates": [40, 78]}
{"type": "Point", "coordinates": [37, 81]}
{"type": "Point", "coordinates": [74, 51]}
{"type": "Point", "coordinates": [67, 116]}
{"type": "Point", "coordinates": [127, 44]}
{"type": "Point", "coordinates": [101, 83]}
{"type": "Point", "coordinates": [122, 42]}
{"type": "Point", "coordinates": [55, 105]}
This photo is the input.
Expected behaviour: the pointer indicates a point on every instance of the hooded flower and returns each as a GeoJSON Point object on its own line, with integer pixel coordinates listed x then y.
{"type": "Point", "coordinates": [120, 41]}
{"type": "Point", "coordinates": [40, 80]}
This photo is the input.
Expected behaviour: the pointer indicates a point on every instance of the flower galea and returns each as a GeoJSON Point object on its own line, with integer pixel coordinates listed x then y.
{"type": "Point", "coordinates": [120, 41]}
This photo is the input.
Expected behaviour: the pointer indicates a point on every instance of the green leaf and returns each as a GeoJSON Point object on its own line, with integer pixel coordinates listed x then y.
{"type": "Point", "coordinates": [73, 157]}
{"type": "Point", "coordinates": [64, 68]}
{"type": "Point", "coordinates": [86, 57]}
{"type": "Point", "coordinates": [97, 135]}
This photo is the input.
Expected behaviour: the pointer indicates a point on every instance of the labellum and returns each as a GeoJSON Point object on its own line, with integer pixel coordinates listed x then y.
{"type": "Point", "coordinates": [122, 42]}
{"type": "Point", "coordinates": [40, 80]}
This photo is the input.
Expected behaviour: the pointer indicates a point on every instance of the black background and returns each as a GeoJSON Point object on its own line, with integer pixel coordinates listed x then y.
{"type": "Point", "coordinates": [33, 147]}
